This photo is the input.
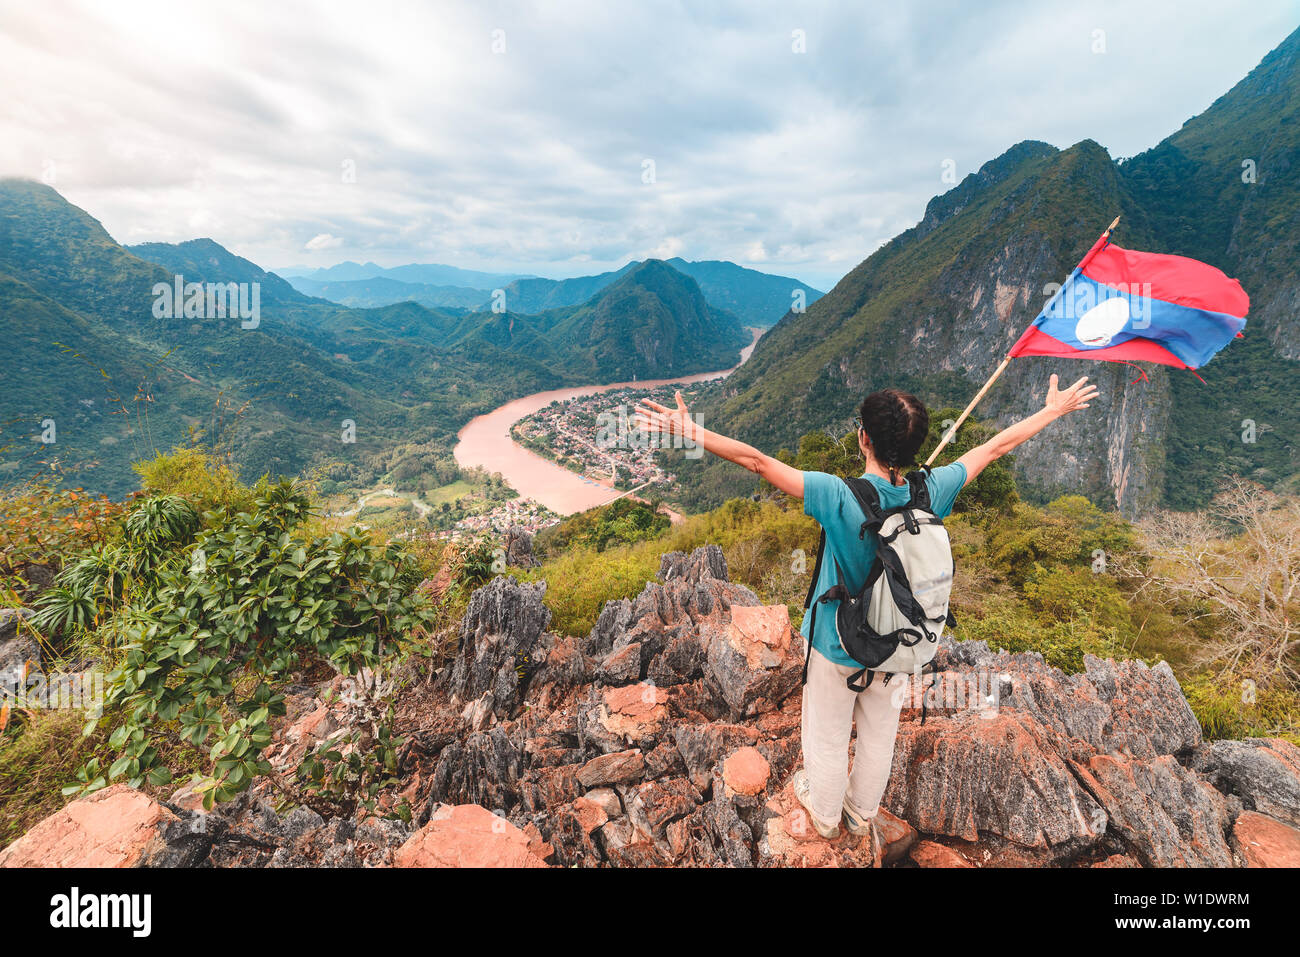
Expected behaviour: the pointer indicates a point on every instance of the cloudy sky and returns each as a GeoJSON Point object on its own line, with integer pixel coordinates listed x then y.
{"type": "Point", "coordinates": [565, 138]}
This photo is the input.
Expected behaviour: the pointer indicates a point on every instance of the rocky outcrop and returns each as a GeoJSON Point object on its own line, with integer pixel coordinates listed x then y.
{"type": "Point", "coordinates": [501, 634]}
{"type": "Point", "coordinates": [669, 736]}
{"type": "Point", "coordinates": [115, 827]}
{"type": "Point", "coordinates": [467, 835]}
{"type": "Point", "coordinates": [519, 548]}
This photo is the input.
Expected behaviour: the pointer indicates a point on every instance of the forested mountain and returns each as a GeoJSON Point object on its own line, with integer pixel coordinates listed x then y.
{"type": "Point", "coordinates": [99, 349]}
{"type": "Point", "coordinates": [935, 310]}
{"type": "Point", "coordinates": [756, 298]}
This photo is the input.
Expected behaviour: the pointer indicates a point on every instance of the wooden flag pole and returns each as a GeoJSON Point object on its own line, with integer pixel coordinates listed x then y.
{"type": "Point", "coordinates": [947, 436]}
{"type": "Point", "coordinates": [962, 418]}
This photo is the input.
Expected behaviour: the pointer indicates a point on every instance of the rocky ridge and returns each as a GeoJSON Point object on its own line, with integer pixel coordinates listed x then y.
{"type": "Point", "coordinates": [670, 733]}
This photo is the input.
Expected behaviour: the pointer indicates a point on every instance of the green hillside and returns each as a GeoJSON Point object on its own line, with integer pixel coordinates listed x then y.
{"type": "Point", "coordinates": [123, 379]}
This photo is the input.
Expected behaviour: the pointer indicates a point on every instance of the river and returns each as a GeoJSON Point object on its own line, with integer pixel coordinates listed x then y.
{"type": "Point", "coordinates": [485, 443]}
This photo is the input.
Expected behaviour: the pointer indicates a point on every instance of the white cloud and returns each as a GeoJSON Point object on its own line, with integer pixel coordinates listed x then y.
{"type": "Point", "coordinates": [237, 117]}
{"type": "Point", "coordinates": [323, 241]}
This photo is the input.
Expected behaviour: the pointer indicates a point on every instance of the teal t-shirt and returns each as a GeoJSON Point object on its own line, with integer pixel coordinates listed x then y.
{"type": "Point", "coordinates": [827, 499]}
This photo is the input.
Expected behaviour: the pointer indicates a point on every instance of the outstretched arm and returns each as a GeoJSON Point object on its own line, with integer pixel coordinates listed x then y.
{"type": "Point", "coordinates": [1058, 404]}
{"type": "Point", "coordinates": [653, 417]}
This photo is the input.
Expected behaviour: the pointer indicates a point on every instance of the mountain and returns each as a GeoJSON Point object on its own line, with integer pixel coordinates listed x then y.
{"type": "Point", "coordinates": [652, 322]}
{"type": "Point", "coordinates": [206, 258]}
{"type": "Point", "coordinates": [934, 309]}
{"type": "Point", "coordinates": [539, 295]}
{"type": "Point", "coordinates": [95, 348]}
{"type": "Point", "coordinates": [431, 274]}
{"type": "Point", "coordinates": [756, 298]}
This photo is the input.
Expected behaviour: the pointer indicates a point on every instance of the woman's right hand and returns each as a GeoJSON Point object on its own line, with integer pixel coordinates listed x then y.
{"type": "Point", "coordinates": [1077, 396]}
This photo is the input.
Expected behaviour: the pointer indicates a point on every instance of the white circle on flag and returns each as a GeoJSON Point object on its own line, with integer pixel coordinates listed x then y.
{"type": "Point", "coordinates": [1099, 324]}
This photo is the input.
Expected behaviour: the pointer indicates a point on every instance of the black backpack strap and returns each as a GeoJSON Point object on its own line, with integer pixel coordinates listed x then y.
{"type": "Point", "coordinates": [817, 571]}
{"type": "Point", "coordinates": [920, 490]}
{"type": "Point", "coordinates": [807, 658]}
{"type": "Point", "coordinates": [868, 500]}
{"type": "Point", "coordinates": [856, 683]}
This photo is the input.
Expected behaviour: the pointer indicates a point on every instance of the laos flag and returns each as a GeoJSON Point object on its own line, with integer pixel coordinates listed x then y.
{"type": "Point", "coordinates": [1126, 306]}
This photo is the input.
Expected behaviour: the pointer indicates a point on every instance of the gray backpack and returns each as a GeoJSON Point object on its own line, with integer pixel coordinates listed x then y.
{"type": "Point", "coordinates": [893, 624]}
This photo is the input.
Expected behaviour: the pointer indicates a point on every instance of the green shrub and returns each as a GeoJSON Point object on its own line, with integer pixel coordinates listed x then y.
{"type": "Point", "coordinates": [252, 596]}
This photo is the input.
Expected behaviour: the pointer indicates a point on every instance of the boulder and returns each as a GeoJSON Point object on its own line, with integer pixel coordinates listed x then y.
{"type": "Point", "coordinates": [1263, 772]}
{"type": "Point", "coordinates": [467, 835]}
{"type": "Point", "coordinates": [20, 655]}
{"type": "Point", "coordinates": [1167, 815]}
{"type": "Point", "coordinates": [1263, 842]}
{"type": "Point", "coordinates": [963, 775]}
{"type": "Point", "coordinates": [752, 659]}
{"type": "Point", "coordinates": [933, 854]}
{"type": "Point", "coordinates": [484, 769]}
{"type": "Point", "coordinates": [607, 800]}
{"type": "Point", "coordinates": [117, 826]}
{"type": "Point", "coordinates": [746, 772]}
{"type": "Point", "coordinates": [702, 746]}
{"type": "Point", "coordinates": [519, 548]}
{"type": "Point", "coordinates": [615, 719]}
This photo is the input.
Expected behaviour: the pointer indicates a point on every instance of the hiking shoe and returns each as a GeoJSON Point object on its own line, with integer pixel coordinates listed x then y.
{"type": "Point", "coordinates": [857, 825]}
{"type": "Point", "coordinates": [830, 832]}
{"type": "Point", "coordinates": [860, 826]}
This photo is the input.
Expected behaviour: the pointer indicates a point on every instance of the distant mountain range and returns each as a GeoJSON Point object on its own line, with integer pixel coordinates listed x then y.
{"type": "Point", "coordinates": [416, 273]}
{"type": "Point", "coordinates": [758, 299]}
{"type": "Point", "coordinates": [935, 309]}
{"type": "Point", "coordinates": [101, 360]}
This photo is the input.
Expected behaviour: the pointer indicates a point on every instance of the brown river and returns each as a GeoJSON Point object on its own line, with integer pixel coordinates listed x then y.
{"type": "Point", "coordinates": [485, 443]}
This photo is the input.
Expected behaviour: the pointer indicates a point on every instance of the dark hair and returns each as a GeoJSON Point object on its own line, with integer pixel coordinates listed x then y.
{"type": "Point", "coordinates": [897, 423]}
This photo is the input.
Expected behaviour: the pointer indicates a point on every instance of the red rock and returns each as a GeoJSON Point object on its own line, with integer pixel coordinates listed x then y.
{"type": "Point", "coordinates": [536, 843]}
{"type": "Point", "coordinates": [115, 827]}
{"type": "Point", "coordinates": [1117, 860]}
{"type": "Point", "coordinates": [590, 814]}
{"type": "Point", "coordinates": [661, 802]}
{"type": "Point", "coordinates": [312, 727]}
{"type": "Point", "coordinates": [466, 835]}
{"type": "Point", "coordinates": [633, 712]}
{"type": "Point", "coordinates": [762, 633]}
{"type": "Point", "coordinates": [621, 767]}
{"type": "Point", "coordinates": [623, 665]}
{"type": "Point", "coordinates": [896, 835]}
{"type": "Point", "coordinates": [607, 799]}
{"type": "Point", "coordinates": [746, 771]}
{"type": "Point", "coordinates": [751, 658]}
{"type": "Point", "coordinates": [930, 854]}
{"type": "Point", "coordinates": [1265, 842]}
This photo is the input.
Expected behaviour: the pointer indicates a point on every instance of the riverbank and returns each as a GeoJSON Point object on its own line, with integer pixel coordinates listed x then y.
{"type": "Point", "coordinates": [486, 443]}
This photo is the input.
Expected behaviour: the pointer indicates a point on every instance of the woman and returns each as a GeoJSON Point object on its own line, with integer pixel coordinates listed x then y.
{"type": "Point", "coordinates": [891, 427]}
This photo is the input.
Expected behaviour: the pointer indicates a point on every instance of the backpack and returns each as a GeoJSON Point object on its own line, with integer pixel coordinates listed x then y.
{"type": "Point", "coordinates": [893, 624]}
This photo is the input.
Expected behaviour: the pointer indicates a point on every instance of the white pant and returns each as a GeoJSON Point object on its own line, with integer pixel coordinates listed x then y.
{"type": "Point", "coordinates": [829, 709]}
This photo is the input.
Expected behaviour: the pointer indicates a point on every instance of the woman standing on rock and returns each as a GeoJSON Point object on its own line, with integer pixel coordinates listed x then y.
{"type": "Point", "coordinates": [891, 427]}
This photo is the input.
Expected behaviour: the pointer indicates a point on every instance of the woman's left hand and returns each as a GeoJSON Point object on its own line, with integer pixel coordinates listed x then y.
{"type": "Point", "coordinates": [653, 417]}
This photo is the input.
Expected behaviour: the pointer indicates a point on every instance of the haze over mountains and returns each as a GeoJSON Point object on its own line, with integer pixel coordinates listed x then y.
{"type": "Point", "coordinates": [935, 310]}
{"type": "Point", "coordinates": [758, 299]}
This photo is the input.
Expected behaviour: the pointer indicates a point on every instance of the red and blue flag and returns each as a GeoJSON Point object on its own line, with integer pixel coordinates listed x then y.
{"type": "Point", "coordinates": [1126, 306]}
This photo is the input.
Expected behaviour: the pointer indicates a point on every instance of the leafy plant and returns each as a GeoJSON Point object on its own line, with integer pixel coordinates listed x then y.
{"type": "Point", "coordinates": [253, 597]}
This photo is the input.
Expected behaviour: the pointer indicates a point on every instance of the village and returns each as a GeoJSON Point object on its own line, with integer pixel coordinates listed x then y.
{"type": "Point", "coordinates": [596, 437]}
